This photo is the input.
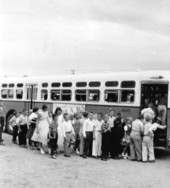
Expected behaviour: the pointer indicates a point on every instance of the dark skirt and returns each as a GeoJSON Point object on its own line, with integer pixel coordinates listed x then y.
{"type": "Point", "coordinates": [31, 131]}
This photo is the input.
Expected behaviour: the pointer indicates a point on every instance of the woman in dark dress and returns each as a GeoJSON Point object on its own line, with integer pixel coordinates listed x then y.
{"type": "Point", "coordinates": [117, 135]}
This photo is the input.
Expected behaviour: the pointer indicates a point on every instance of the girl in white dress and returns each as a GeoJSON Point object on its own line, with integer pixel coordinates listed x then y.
{"type": "Point", "coordinates": [42, 128]}
{"type": "Point", "coordinates": [60, 142]}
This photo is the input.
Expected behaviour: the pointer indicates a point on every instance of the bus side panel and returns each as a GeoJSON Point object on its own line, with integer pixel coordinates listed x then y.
{"type": "Point", "coordinates": [128, 111]}
{"type": "Point", "coordinates": [168, 129]}
{"type": "Point", "coordinates": [20, 105]}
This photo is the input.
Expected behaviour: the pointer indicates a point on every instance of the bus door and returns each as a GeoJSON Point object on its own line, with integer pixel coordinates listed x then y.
{"type": "Point", "coordinates": [31, 95]}
{"type": "Point", "coordinates": [154, 92]}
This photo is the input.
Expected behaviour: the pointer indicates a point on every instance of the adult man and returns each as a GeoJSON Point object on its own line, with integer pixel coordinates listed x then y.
{"type": "Point", "coordinates": [162, 110]}
{"type": "Point", "coordinates": [111, 126]}
{"type": "Point", "coordinates": [2, 119]}
{"type": "Point", "coordinates": [88, 127]}
{"type": "Point", "coordinates": [136, 139]}
{"type": "Point", "coordinates": [149, 111]}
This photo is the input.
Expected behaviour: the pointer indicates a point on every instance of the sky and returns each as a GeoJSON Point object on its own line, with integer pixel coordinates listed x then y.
{"type": "Point", "coordinates": [50, 37]}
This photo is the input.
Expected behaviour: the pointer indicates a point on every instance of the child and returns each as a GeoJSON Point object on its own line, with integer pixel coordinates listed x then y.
{"type": "Point", "coordinates": [147, 144]}
{"type": "Point", "coordinates": [50, 117]}
{"type": "Point", "coordinates": [23, 122]}
{"type": "Point", "coordinates": [53, 136]}
{"type": "Point", "coordinates": [32, 124]}
{"type": "Point", "coordinates": [13, 123]}
{"type": "Point", "coordinates": [126, 139]}
{"type": "Point", "coordinates": [68, 132]}
{"type": "Point", "coordinates": [77, 125]}
{"type": "Point", "coordinates": [105, 128]}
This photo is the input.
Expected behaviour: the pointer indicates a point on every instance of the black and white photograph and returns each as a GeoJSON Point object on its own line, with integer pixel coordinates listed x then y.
{"type": "Point", "coordinates": [84, 93]}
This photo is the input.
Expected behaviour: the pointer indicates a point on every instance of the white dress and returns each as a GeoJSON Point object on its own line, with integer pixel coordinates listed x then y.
{"type": "Point", "coordinates": [43, 128]}
{"type": "Point", "coordinates": [60, 133]}
{"type": "Point", "coordinates": [97, 143]}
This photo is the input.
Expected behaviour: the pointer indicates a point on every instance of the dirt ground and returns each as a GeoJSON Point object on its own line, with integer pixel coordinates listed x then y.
{"type": "Point", "coordinates": [24, 168]}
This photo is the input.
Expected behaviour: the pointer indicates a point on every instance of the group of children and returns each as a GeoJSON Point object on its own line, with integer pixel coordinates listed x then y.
{"type": "Point", "coordinates": [89, 134]}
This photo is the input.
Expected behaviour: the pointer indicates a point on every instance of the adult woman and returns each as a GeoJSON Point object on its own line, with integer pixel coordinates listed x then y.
{"type": "Point", "coordinates": [58, 112]}
{"type": "Point", "coordinates": [117, 135]}
{"type": "Point", "coordinates": [42, 128]}
{"type": "Point", "coordinates": [97, 136]}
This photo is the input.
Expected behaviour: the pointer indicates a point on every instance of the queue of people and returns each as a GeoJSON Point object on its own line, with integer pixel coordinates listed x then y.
{"type": "Point", "coordinates": [90, 135]}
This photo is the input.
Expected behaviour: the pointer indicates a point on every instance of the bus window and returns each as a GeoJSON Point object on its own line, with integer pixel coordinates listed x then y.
{"type": "Point", "coordinates": [94, 95]}
{"type": "Point", "coordinates": [67, 84]}
{"type": "Point", "coordinates": [128, 84]}
{"type": "Point", "coordinates": [81, 84]}
{"type": "Point", "coordinates": [127, 96]}
{"type": "Point", "coordinates": [19, 93]}
{"type": "Point", "coordinates": [4, 85]}
{"type": "Point", "coordinates": [44, 94]}
{"type": "Point", "coordinates": [7, 93]}
{"type": "Point", "coordinates": [19, 85]}
{"type": "Point", "coordinates": [44, 84]}
{"type": "Point", "coordinates": [81, 95]}
{"type": "Point", "coordinates": [11, 85]}
{"type": "Point", "coordinates": [111, 83]}
{"type": "Point", "coordinates": [94, 84]}
{"type": "Point", "coordinates": [55, 95]}
{"type": "Point", "coordinates": [111, 95]}
{"type": "Point", "coordinates": [66, 95]}
{"type": "Point", "coordinates": [55, 84]}
{"type": "Point", "coordinates": [4, 93]}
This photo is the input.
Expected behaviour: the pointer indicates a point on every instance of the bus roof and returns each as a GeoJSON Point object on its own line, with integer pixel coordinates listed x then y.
{"type": "Point", "coordinates": [136, 75]}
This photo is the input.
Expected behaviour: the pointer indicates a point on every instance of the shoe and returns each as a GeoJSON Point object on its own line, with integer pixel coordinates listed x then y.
{"type": "Point", "coordinates": [84, 156]}
{"type": "Point", "coordinates": [103, 159]}
{"type": "Point", "coordinates": [77, 151]}
{"type": "Point", "coordinates": [65, 155]}
{"type": "Point", "coordinates": [152, 161]}
{"type": "Point", "coordinates": [53, 157]}
{"type": "Point", "coordinates": [116, 158]}
{"type": "Point", "coordinates": [42, 151]}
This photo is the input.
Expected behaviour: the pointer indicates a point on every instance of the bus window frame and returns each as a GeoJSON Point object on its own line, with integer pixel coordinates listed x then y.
{"type": "Point", "coordinates": [86, 94]}
{"type": "Point", "coordinates": [92, 82]}
{"type": "Point", "coordinates": [127, 87]}
{"type": "Point", "coordinates": [16, 94]}
{"type": "Point", "coordinates": [44, 94]}
{"type": "Point", "coordinates": [127, 102]}
{"type": "Point", "coordinates": [89, 95]}
{"type": "Point", "coordinates": [58, 92]}
{"type": "Point", "coordinates": [118, 97]}
{"type": "Point", "coordinates": [66, 94]}
{"type": "Point", "coordinates": [111, 85]}
{"type": "Point", "coordinates": [8, 93]}
{"type": "Point", "coordinates": [83, 86]}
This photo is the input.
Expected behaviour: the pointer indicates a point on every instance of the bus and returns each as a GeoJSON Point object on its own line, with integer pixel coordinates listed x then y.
{"type": "Point", "coordinates": [121, 91]}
